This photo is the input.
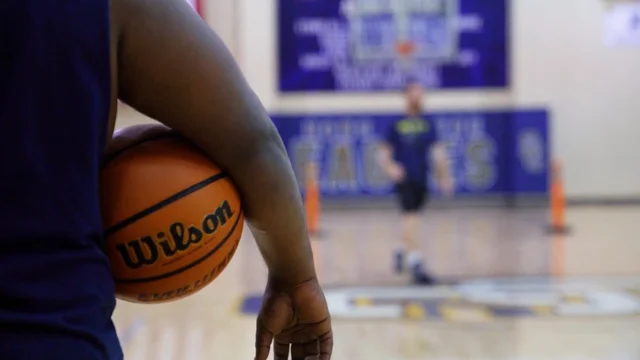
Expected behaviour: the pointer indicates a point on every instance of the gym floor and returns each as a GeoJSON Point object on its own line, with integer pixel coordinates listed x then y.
{"type": "Point", "coordinates": [515, 292]}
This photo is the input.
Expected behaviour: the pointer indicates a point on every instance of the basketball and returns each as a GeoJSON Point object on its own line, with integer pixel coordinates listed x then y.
{"type": "Point", "coordinates": [172, 218]}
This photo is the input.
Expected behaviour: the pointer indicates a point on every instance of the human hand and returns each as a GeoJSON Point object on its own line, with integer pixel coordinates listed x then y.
{"type": "Point", "coordinates": [397, 173]}
{"type": "Point", "coordinates": [297, 318]}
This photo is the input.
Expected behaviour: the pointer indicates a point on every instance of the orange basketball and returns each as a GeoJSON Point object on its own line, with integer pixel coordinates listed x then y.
{"type": "Point", "coordinates": [172, 218]}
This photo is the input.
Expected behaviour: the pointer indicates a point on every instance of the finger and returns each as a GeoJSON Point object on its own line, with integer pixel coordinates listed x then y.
{"type": "Point", "coordinates": [326, 346]}
{"type": "Point", "coordinates": [304, 351]}
{"type": "Point", "coordinates": [264, 338]}
{"type": "Point", "coordinates": [281, 350]}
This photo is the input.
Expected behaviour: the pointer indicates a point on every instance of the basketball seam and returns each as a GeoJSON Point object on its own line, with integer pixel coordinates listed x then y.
{"type": "Point", "coordinates": [167, 135]}
{"type": "Point", "coordinates": [189, 266]}
{"type": "Point", "coordinates": [159, 205]}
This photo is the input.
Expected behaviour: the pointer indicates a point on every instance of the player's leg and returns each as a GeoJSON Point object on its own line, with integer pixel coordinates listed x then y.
{"type": "Point", "coordinates": [400, 251]}
{"type": "Point", "coordinates": [415, 261]}
{"type": "Point", "coordinates": [412, 197]}
{"type": "Point", "coordinates": [410, 203]}
{"type": "Point", "coordinates": [409, 234]}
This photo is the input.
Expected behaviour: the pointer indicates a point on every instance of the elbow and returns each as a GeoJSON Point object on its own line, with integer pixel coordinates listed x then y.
{"type": "Point", "coordinates": [271, 142]}
{"type": "Point", "coordinates": [264, 145]}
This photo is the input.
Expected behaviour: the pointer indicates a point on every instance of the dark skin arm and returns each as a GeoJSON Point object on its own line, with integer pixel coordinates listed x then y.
{"type": "Point", "coordinates": [173, 68]}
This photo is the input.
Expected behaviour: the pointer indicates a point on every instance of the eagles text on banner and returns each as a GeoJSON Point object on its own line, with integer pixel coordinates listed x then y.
{"type": "Point", "coordinates": [500, 152]}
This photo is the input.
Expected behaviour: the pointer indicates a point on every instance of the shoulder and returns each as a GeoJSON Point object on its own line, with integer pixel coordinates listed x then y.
{"type": "Point", "coordinates": [132, 15]}
{"type": "Point", "coordinates": [429, 130]}
{"type": "Point", "coordinates": [427, 125]}
{"type": "Point", "coordinates": [393, 131]}
{"type": "Point", "coordinates": [394, 125]}
{"type": "Point", "coordinates": [397, 121]}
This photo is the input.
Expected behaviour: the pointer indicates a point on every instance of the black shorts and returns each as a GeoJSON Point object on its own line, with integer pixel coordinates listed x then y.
{"type": "Point", "coordinates": [412, 196]}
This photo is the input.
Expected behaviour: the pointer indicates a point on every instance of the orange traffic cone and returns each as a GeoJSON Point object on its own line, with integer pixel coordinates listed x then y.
{"type": "Point", "coordinates": [557, 202]}
{"type": "Point", "coordinates": [312, 198]}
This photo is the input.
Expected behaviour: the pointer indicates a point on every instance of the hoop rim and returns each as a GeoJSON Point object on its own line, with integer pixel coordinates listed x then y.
{"type": "Point", "coordinates": [405, 48]}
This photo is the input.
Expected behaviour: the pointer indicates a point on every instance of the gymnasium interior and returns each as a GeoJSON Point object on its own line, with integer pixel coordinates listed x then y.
{"type": "Point", "coordinates": [537, 251]}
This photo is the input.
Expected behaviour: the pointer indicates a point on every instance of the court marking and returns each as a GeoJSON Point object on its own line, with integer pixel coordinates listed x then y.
{"type": "Point", "coordinates": [484, 300]}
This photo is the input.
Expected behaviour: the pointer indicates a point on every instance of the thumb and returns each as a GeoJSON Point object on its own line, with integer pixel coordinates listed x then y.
{"type": "Point", "coordinates": [264, 338]}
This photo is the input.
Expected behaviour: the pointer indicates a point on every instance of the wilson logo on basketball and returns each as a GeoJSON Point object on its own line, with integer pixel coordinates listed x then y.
{"type": "Point", "coordinates": [178, 239]}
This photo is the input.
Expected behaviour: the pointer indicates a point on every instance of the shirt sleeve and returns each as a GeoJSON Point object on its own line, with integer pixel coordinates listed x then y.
{"type": "Point", "coordinates": [433, 136]}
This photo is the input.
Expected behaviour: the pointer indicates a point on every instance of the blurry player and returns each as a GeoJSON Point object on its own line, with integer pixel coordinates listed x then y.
{"type": "Point", "coordinates": [63, 66]}
{"type": "Point", "coordinates": [410, 143]}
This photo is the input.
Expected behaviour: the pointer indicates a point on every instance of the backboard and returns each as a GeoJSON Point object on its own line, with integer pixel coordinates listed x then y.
{"type": "Point", "coordinates": [378, 26]}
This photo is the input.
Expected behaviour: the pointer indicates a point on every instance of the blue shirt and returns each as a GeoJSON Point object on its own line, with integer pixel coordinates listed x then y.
{"type": "Point", "coordinates": [410, 140]}
{"type": "Point", "coordinates": [57, 292]}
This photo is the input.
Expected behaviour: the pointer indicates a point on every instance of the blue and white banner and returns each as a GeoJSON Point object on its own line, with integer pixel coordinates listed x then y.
{"type": "Point", "coordinates": [351, 45]}
{"type": "Point", "coordinates": [500, 152]}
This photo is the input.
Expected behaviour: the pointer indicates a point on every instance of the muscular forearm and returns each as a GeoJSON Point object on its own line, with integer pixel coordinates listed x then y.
{"type": "Point", "coordinates": [274, 209]}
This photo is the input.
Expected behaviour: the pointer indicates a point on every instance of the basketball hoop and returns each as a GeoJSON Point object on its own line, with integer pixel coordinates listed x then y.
{"type": "Point", "coordinates": [404, 53]}
{"type": "Point", "coordinates": [404, 49]}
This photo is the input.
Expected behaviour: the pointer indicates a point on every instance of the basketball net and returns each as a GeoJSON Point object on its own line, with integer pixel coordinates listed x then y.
{"type": "Point", "coordinates": [404, 53]}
